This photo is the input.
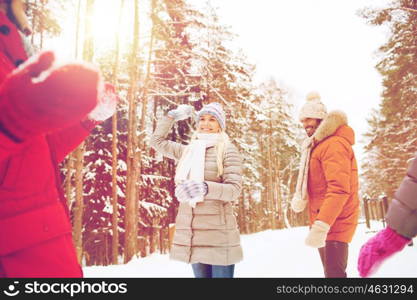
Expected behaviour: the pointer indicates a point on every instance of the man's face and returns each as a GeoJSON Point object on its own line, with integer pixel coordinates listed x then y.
{"type": "Point", "coordinates": [310, 125]}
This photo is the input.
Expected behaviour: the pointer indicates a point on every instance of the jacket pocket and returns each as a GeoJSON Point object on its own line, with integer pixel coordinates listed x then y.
{"type": "Point", "coordinates": [43, 224]}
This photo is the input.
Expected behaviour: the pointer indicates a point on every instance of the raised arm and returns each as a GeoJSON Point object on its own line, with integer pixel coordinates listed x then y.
{"type": "Point", "coordinates": [160, 142]}
{"type": "Point", "coordinates": [159, 139]}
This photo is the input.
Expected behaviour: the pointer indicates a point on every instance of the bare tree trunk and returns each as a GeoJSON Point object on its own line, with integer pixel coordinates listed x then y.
{"type": "Point", "coordinates": [367, 214]}
{"type": "Point", "coordinates": [144, 105]}
{"type": "Point", "coordinates": [41, 26]}
{"type": "Point", "coordinates": [78, 207]}
{"type": "Point", "coordinates": [68, 184]}
{"type": "Point", "coordinates": [151, 240]}
{"type": "Point", "coordinates": [34, 19]}
{"type": "Point", "coordinates": [270, 187]}
{"type": "Point", "coordinates": [115, 218]}
{"type": "Point", "coordinates": [70, 158]}
{"type": "Point", "coordinates": [277, 181]}
{"type": "Point", "coordinates": [88, 52]}
{"type": "Point", "coordinates": [287, 222]}
{"type": "Point", "coordinates": [264, 194]}
{"type": "Point", "coordinates": [131, 215]}
{"type": "Point", "coordinates": [77, 29]}
{"type": "Point", "coordinates": [162, 240]}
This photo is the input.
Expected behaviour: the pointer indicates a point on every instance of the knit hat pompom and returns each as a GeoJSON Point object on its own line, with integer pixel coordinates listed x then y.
{"type": "Point", "coordinates": [313, 108]}
{"type": "Point", "coordinates": [312, 96]}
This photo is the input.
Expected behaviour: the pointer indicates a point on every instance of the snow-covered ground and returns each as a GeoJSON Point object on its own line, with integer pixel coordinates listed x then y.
{"type": "Point", "coordinates": [271, 253]}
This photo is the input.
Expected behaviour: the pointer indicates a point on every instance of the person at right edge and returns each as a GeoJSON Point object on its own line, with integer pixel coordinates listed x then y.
{"type": "Point", "coordinates": [401, 227]}
{"type": "Point", "coordinates": [328, 182]}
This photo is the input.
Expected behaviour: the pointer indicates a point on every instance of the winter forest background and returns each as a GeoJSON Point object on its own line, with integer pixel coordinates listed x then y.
{"type": "Point", "coordinates": [162, 53]}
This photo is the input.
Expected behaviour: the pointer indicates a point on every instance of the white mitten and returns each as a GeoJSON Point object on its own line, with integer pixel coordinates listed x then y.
{"type": "Point", "coordinates": [182, 112]}
{"type": "Point", "coordinates": [107, 102]}
{"type": "Point", "coordinates": [316, 238]}
{"type": "Point", "coordinates": [191, 191]}
{"type": "Point", "coordinates": [297, 204]}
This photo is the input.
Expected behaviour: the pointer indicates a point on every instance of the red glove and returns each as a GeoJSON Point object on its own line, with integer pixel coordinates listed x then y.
{"type": "Point", "coordinates": [37, 99]}
{"type": "Point", "coordinates": [380, 247]}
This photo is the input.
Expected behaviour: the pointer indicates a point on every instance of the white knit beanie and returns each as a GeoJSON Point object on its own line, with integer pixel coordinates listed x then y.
{"type": "Point", "coordinates": [313, 108]}
{"type": "Point", "coordinates": [216, 110]}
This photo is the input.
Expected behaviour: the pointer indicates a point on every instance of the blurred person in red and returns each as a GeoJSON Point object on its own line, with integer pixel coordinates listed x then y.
{"type": "Point", "coordinates": [46, 111]}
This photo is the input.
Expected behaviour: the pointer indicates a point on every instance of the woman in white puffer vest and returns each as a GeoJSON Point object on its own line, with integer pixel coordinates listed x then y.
{"type": "Point", "coordinates": [208, 180]}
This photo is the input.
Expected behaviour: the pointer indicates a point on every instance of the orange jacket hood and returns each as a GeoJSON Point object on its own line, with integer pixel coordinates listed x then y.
{"type": "Point", "coordinates": [334, 124]}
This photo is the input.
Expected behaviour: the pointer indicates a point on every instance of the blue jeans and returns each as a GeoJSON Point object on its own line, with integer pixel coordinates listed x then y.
{"type": "Point", "coordinates": [212, 271]}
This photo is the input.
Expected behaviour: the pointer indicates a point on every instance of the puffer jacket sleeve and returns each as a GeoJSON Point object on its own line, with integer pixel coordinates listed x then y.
{"type": "Point", "coordinates": [402, 212]}
{"type": "Point", "coordinates": [65, 140]}
{"type": "Point", "coordinates": [337, 168]}
{"type": "Point", "coordinates": [230, 188]}
{"type": "Point", "coordinates": [160, 142]}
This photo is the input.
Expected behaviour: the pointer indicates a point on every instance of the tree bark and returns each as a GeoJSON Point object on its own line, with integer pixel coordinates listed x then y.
{"type": "Point", "coordinates": [88, 52]}
{"type": "Point", "coordinates": [115, 211]}
{"type": "Point", "coordinates": [131, 215]}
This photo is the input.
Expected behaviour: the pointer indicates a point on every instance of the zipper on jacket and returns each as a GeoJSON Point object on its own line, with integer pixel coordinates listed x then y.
{"type": "Point", "coordinates": [222, 214]}
{"type": "Point", "coordinates": [192, 234]}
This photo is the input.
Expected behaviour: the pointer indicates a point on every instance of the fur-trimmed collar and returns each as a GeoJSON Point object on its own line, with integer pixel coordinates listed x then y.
{"type": "Point", "coordinates": [333, 121]}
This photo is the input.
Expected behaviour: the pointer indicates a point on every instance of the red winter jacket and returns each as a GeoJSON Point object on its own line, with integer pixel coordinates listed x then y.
{"type": "Point", "coordinates": [31, 204]}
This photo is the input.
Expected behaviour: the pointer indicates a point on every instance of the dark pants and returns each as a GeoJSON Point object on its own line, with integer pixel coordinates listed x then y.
{"type": "Point", "coordinates": [334, 258]}
{"type": "Point", "coordinates": [213, 271]}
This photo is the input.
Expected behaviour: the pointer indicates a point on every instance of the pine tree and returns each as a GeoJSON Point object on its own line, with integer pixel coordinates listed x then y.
{"type": "Point", "coordinates": [393, 133]}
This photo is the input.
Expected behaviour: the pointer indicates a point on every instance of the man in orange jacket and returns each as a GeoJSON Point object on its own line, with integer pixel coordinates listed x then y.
{"type": "Point", "coordinates": [328, 182]}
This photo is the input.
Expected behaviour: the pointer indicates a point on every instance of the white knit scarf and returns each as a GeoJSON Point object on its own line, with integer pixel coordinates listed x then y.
{"type": "Point", "coordinates": [191, 164]}
{"type": "Point", "coordinates": [300, 199]}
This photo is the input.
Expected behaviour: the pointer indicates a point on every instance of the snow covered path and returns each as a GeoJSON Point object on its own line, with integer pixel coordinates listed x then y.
{"type": "Point", "coordinates": [271, 253]}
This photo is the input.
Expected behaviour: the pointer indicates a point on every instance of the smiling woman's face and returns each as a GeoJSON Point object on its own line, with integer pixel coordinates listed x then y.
{"type": "Point", "coordinates": [208, 124]}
